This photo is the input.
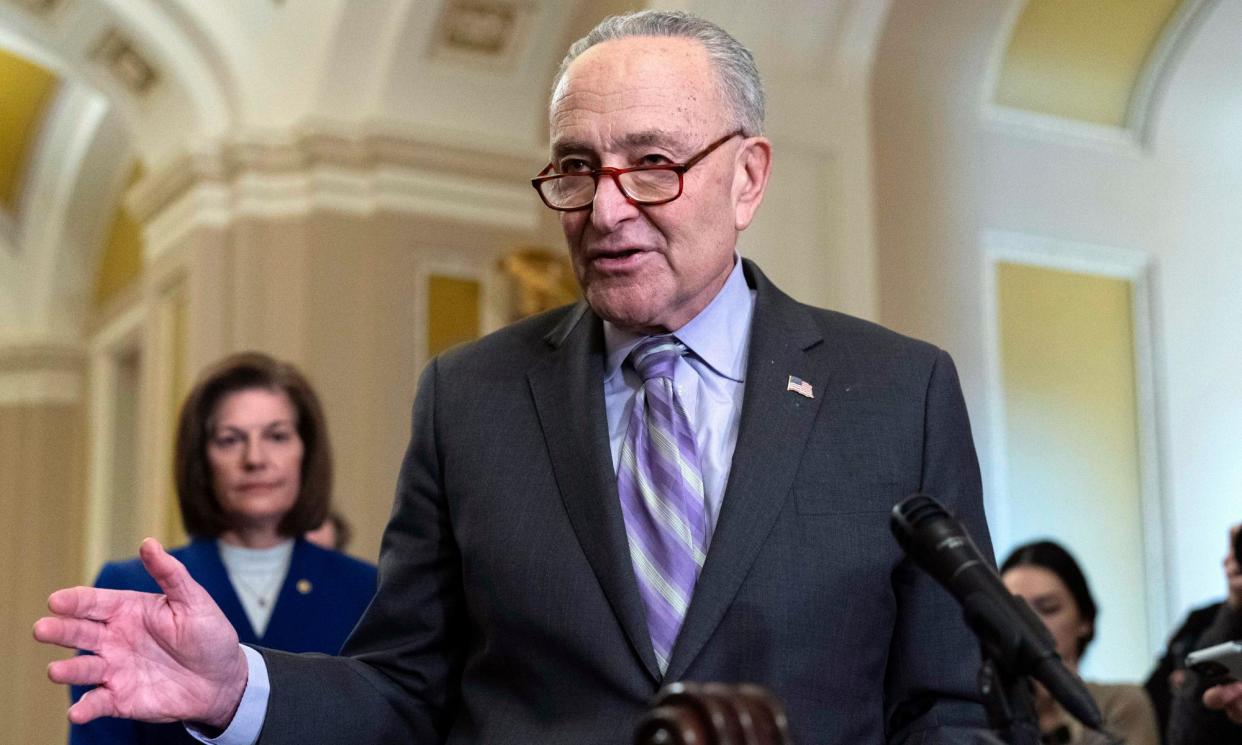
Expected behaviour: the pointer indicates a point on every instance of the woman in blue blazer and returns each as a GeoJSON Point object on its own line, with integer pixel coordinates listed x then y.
{"type": "Point", "coordinates": [254, 473]}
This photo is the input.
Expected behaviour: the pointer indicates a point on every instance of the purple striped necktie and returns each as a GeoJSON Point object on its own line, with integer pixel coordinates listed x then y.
{"type": "Point", "coordinates": [660, 483]}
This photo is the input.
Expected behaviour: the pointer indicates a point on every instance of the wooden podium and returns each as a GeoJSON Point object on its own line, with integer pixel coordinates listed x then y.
{"type": "Point", "coordinates": [714, 714]}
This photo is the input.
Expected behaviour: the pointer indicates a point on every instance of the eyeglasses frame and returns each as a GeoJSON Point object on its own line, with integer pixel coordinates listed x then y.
{"type": "Point", "coordinates": [616, 173]}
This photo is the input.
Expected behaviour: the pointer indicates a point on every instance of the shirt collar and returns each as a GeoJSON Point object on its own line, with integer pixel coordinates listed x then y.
{"type": "Point", "coordinates": [717, 335]}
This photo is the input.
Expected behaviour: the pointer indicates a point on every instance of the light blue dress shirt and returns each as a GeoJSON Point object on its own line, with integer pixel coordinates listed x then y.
{"type": "Point", "coordinates": [709, 381]}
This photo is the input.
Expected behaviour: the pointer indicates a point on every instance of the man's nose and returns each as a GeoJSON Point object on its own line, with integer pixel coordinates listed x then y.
{"type": "Point", "coordinates": [609, 206]}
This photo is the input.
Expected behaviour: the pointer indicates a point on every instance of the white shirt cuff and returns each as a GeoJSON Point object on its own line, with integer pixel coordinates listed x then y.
{"type": "Point", "coordinates": [251, 712]}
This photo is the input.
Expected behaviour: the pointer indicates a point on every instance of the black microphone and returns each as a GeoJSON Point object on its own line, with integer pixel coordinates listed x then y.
{"type": "Point", "coordinates": [1009, 630]}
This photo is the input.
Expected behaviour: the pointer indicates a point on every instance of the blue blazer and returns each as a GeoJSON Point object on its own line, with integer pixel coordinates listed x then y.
{"type": "Point", "coordinates": [324, 594]}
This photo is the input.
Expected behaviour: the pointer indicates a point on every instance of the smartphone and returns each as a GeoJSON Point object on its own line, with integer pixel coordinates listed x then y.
{"type": "Point", "coordinates": [1237, 547]}
{"type": "Point", "coordinates": [1219, 664]}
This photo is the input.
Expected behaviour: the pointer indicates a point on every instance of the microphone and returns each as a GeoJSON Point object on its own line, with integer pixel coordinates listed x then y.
{"type": "Point", "coordinates": [1009, 630]}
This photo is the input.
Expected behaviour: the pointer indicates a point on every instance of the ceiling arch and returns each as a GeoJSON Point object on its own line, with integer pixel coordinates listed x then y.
{"type": "Point", "coordinates": [1095, 68]}
{"type": "Point", "coordinates": [1199, 114]}
{"type": "Point", "coordinates": [1079, 60]}
{"type": "Point", "coordinates": [114, 83]}
{"type": "Point", "coordinates": [28, 89]}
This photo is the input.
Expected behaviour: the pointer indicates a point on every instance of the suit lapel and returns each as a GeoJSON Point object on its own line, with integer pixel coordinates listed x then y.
{"type": "Point", "coordinates": [569, 396]}
{"type": "Point", "coordinates": [773, 431]}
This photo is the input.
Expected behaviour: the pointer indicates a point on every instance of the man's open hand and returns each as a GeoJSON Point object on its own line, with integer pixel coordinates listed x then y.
{"type": "Point", "coordinates": [157, 658]}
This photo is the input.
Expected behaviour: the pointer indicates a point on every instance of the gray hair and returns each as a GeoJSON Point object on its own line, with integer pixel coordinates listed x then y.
{"type": "Point", "coordinates": [736, 73]}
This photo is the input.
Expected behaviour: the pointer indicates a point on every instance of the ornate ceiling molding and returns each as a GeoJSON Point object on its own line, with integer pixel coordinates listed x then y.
{"type": "Point", "coordinates": [121, 58]}
{"type": "Point", "coordinates": [41, 371]}
{"type": "Point", "coordinates": [1130, 137]}
{"type": "Point", "coordinates": [40, 7]}
{"type": "Point", "coordinates": [325, 171]}
{"type": "Point", "coordinates": [489, 32]}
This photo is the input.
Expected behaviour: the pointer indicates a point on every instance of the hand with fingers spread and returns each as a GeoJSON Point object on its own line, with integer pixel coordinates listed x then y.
{"type": "Point", "coordinates": [157, 658]}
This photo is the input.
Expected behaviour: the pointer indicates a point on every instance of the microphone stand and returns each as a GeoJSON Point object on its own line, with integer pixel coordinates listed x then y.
{"type": "Point", "coordinates": [1015, 642]}
{"type": "Point", "coordinates": [1003, 682]}
{"type": "Point", "coordinates": [1003, 678]}
{"type": "Point", "coordinates": [1007, 698]}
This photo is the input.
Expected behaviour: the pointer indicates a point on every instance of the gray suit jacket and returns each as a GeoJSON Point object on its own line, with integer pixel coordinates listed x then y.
{"type": "Point", "coordinates": [507, 609]}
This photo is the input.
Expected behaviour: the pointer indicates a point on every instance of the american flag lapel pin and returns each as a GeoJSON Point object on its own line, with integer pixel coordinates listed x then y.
{"type": "Point", "coordinates": [800, 386]}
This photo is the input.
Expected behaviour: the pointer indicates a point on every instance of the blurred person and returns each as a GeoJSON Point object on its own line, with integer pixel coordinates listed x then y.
{"type": "Point", "coordinates": [253, 470]}
{"type": "Point", "coordinates": [334, 532]}
{"type": "Point", "coordinates": [1203, 714]}
{"type": "Point", "coordinates": [1170, 672]}
{"type": "Point", "coordinates": [1048, 578]}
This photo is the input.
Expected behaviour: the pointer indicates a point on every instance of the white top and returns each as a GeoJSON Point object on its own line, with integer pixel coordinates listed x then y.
{"type": "Point", "coordinates": [257, 574]}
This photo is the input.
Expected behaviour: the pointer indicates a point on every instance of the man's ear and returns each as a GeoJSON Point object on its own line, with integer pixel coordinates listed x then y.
{"type": "Point", "coordinates": [752, 166]}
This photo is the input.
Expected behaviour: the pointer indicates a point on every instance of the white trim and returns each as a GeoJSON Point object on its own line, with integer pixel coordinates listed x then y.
{"type": "Point", "coordinates": [1157, 69]}
{"type": "Point", "coordinates": [1106, 261]}
{"type": "Point", "coordinates": [24, 38]}
{"type": "Point", "coordinates": [347, 189]}
{"type": "Point", "coordinates": [159, 429]}
{"type": "Point", "coordinates": [474, 272]}
{"type": "Point", "coordinates": [55, 179]}
{"type": "Point", "coordinates": [996, 55]}
{"type": "Point", "coordinates": [996, 491]}
{"type": "Point", "coordinates": [184, 54]}
{"type": "Point", "coordinates": [1134, 136]}
{"type": "Point", "coordinates": [40, 369]}
{"type": "Point", "coordinates": [1059, 130]}
{"type": "Point", "coordinates": [205, 205]}
{"type": "Point", "coordinates": [121, 336]}
{"type": "Point", "coordinates": [1070, 256]}
{"type": "Point", "coordinates": [40, 387]}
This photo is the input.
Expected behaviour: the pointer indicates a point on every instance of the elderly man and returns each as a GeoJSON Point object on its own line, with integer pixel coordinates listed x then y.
{"type": "Point", "coordinates": [687, 476]}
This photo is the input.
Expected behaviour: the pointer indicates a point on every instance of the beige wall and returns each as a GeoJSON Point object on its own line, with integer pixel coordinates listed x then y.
{"type": "Point", "coordinates": [41, 501]}
{"type": "Point", "coordinates": [1072, 459]}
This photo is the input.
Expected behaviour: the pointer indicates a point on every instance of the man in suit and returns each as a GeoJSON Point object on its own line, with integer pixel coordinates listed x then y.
{"type": "Point", "coordinates": [577, 525]}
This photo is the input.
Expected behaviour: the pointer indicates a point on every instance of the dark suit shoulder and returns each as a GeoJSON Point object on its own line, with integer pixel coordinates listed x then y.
{"type": "Point", "coordinates": [874, 350]}
{"type": "Point", "coordinates": [515, 344]}
{"type": "Point", "coordinates": [340, 565]}
{"type": "Point", "coordinates": [869, 332]}
{"type": "Point", "coordinates": [844, 336]}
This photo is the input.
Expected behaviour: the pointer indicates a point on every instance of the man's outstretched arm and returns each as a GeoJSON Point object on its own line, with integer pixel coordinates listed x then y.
{"type": "Point", "coordinates": [156, 658]}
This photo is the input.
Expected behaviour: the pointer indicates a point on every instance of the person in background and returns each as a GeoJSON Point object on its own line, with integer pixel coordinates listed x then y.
{"type": "Point", "coordinates": [1170, 673]}
{"type": "Point", "coordinates": [253, 470]}
{"type": "Point", "coordinates": [1203, 714]}
{"type": "Point", "coordinates": [1045, 575]}
{"type": "Point", "coordinates": [333, 533]}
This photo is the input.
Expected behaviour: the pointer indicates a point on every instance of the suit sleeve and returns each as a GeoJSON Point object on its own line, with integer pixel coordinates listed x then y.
{"type": "Point", "coordinates": [398, 680]}
{"type": "Point", "coordinates": [934, 659]}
